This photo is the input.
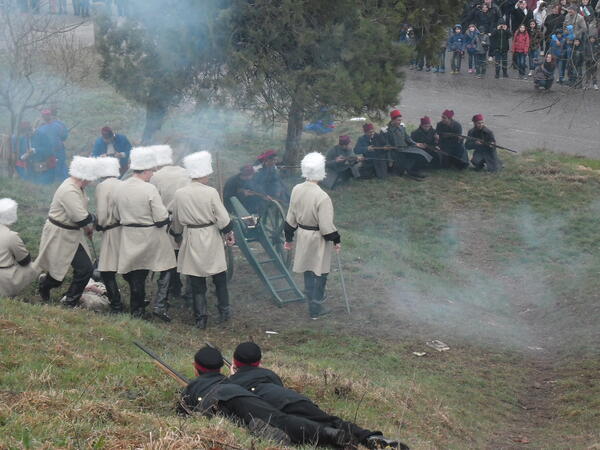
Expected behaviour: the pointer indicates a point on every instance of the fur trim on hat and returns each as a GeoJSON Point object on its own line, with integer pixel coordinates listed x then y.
{"type": "Point", "coordinates": [83, 168]}
{"type": "Point", "coordinates": [143, 158]}
{"type": "Point", "coordinates": [198, 164]}
{"type": "Point", "coordinates": [107, 167]}
{"type": "Point", "coordinates": [164, 154]}
{"type": "Point", "coordinates": [313, 166]}
{"type": "Point", "coordinates": [8, 211]}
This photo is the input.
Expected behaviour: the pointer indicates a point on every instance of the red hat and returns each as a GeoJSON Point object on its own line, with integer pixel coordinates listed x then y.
{"type": "Point", "coordinates": [267, 155]}
{"type": "Point", "coordinates": [395, 113]}
{"type": "Point", "coordinates": [344, 140]}
{"type": "Point", "coordinates": [46, 112]}
{"type": "Point", "coordinates": [107, 131]}
{"type": "Point", "coordinates": [425, 121]}
{"type": "Point", "coordinates": [448, 113]}
{"type": "Point", "coordinates": [368, 127]}
{"type": "Point", "coordinates": [477, 118]}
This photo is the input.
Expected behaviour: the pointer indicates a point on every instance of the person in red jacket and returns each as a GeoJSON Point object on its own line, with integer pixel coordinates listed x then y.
{"type": "Point", "coordinates": [521, 42]}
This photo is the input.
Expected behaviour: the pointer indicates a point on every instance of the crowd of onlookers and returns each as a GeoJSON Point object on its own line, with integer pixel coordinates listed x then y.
{"type": "Point", "coordinates": [545, 40]}
{"type": "Point", "coordinates": [76, 7]}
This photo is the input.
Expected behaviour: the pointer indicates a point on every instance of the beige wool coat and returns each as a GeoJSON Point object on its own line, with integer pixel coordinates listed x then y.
{"type": "Point", "coordinates": [142, 248]}
{"type": "Point", "coordinates": [202, 252]}
{"type": "Point", "coordinates": [311, 206]}
{"type": "Point", "coordinates": [167, 180]}
{"type": "Point", "coordinates": [58, 245]}
{"type": "Point", "coordinates": [105, 214]}
{"type": "Point", "coordinates": [13, 277]}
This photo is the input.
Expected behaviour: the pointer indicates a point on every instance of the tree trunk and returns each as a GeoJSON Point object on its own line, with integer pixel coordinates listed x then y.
{"type": "Point", "coordinates": [155, 116]}
{"type": "Point", "coordinates": [294, 133]}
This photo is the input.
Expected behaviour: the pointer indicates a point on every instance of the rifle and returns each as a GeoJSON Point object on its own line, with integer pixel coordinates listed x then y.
{"type": "Point", "coordinates": [183, 381]}
{"type": "Point", "coordinates": [471, 138]}
{"type": "Point", "coordinates": [225, 360]}
{"type": "Point", "coordinates": [427, 146]}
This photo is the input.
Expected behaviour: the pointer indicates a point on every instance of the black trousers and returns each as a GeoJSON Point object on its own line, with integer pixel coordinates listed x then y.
{"type": "Point", "coordinates": [220, 282]}
{"type": "Point", "coordinates": [314, 286]}
{"type": "Point", "coordinates": [112, 290]}
{"type": "Point", "coordinates": [137, 289]}
{"type": "Point", "coordinates": [300, 430]}
{"type": "Point", "coordinates": [82, 272]}
{"type": "Point", "coordinates": [310, 411]}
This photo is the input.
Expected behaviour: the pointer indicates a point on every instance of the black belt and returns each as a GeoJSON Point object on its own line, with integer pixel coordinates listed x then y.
{"type": "Point", "coordinates": [62, 225]}
{"type": "Point", "coordinates": [139, 225]}
{"type": "Point", "coordinates": [108, 227]}
{"type": "Point", "coordinates": [308, 227]}
{"type": "Point", "coordinates": [7, 267]}
{"type": "Point", "coordinates": [204, 225]}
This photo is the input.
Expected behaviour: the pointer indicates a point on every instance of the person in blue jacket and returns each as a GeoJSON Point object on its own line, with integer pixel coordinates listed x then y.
{"type": "Point", "coordinates": [57, 133]}
{"type": "Point", "coordinates": [35, 160]}
{"type": "Point", "coordinates": [456, 45]}
{"type": "Point", "coordinates": [111, 144]}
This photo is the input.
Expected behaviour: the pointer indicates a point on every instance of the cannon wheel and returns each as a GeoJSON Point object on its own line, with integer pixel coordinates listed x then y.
{"type": "Point", "coordinates": [272, 221]}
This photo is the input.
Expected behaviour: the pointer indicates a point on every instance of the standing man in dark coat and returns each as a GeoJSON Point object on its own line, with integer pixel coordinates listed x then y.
{"type": "Point", "coordinates": [57, 133]}
{"type": "Point", "coordinates": [211, 393]}
{"type": "Point", "coordinates": [499, 46]}
{"type": "Point", "coordinates": [341, 163]}
{"type": "Point", "coordinates": [115, 145]}
{"type": "Point", "coordinates": [451, 142]}
{"type": "Point", "coordinates": [408, 156]}
{"type": "Point", "coordinates": [376, 159]}
{"type": "Point", "coordinates": [425, 134]}
{"type": "Point", "coordinates": [267, 385]}
{"type": "Point", "coordinates": [267, 179]}
{"type": "Point", "coordinates": [485, 155]}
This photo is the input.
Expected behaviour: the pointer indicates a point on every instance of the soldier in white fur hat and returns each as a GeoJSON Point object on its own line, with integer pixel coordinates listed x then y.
{"type": "Point", "coordinates": [311, 214]}
{"type": "Point", "coordinates": [167, 179]}
{"type": "Point", "coordinates": [145, 245]}
{"type": "Point", "coordinates": [63, 240]}
{"type": "Point", "coordinates": [201, 218]}
{"type": "Point", "coordinates": [16, 269]}
{"type": "Point", "coordinates": [108, 169]}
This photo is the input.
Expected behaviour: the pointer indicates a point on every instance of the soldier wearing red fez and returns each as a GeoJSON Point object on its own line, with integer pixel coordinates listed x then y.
{"type": "Point", "coordinates": [115, 145]}
{"type": "Point", "coordinates": [376, 159]}
{"type": "Point", "coordinates": [485, 155]}
{"type": "Point", "coordinates": [451, 142]}
{"type": "Point", "coordinates": [268, 386]}
{"type": "Point", "coordinates": [267, 180]}
{"type": "Point", "coordinates": [212, 393]}
{"type": "Point", "coordinates": [408, 156]}
{"type": "Point", "coordinates": [425, 134]}
{"type": "Point", "coordinates": [341, 163]}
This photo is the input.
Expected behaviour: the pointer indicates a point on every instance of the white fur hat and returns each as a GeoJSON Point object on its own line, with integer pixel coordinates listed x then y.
{"type": "Point", "coordinates": [198, 164]}
{"type": "Point", "coordinates": [8, 211]}
{"type": "Point", "coordinates": [107, 167]}
{"type": "Point", "coordinates": [83, 168]}
{"type": "Point", "coordinates": [313, 166]}
{"type": "Point", "coordinates": [164, 154]}
{"type": "Point", "coordinates": [143, 158]}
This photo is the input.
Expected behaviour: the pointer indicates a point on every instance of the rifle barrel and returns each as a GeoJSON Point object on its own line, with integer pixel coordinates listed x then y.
{"type": "Point", "coordinates": [156, 358]}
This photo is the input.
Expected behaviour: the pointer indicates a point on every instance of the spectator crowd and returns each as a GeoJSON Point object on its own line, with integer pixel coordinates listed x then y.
{"type": "Point", "coordinates": [545, 41]}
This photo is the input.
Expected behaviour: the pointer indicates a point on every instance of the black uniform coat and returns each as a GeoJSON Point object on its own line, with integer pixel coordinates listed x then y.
{"type": "Point", "coordinates": [267, 385]}
{"type": "Point", "coordinates": [452, 144]}
{"type": "Point", "coordinates": [378, 165]}
{"type": "Point", "coordinates": [484, 154]}
{"type": "Point", "coordinates": [203, 393]}
{"type": "Point", "coordinates": [422, 136]}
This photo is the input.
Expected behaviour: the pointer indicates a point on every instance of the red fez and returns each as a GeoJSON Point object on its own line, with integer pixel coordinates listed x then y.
{"type": "Point", "coordinates": [344, 140]}
{"type": "Point", "coordinates": [395, 113]}
{"type": "Point", "coordinates": [448, 113]}
{"type": "Point", "coordinates": [267, 155]}
{"type": "Point", "coordinates": [425, 121]}
{"type": "Point", "coordinates": [368, 127]}
{"type": "Point", "coordinates": [477, 118]}
{"type": "Point", "coordinates": [107, 131]}
{"type": "Point", "coordinates": [247, 170]}
{"type": "Point", "coordinates": [46, 112]}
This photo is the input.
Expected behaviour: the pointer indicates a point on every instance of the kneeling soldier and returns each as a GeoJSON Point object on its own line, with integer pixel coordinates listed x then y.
{"type": "Point", "coordinates": [16, 270]}
{"type": "Point", "coordinates": [200, 220]}
{"type": "Point", "coordinates": [311, 211]}
{"type": "Point", "coordinates": [484, 154]}
{"type": "Point", "coordinates": [63, 240]}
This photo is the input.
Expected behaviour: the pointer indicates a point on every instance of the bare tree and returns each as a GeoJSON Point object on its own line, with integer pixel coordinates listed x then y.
{"type": "Point", "coordinates": [41, 57]}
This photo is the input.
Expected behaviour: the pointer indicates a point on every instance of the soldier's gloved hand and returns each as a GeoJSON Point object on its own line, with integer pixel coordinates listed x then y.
{"type": "Point", "coordinates": [288, 246]}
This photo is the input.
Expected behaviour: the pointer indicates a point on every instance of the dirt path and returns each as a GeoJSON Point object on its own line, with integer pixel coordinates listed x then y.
{"type": "Point", "coordinates": [520, 117]}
